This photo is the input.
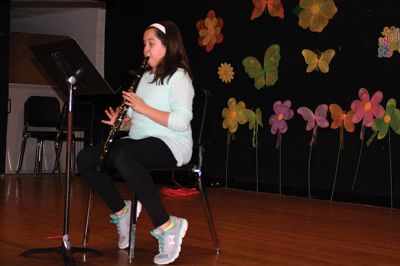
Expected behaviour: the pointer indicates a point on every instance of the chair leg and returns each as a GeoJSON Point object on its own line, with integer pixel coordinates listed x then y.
{"type": "Point", "coordinates": [208, 211]}
{"type": "Point", "coordinates": [22, 153]}
{"type": "Point", "coordinates": [36, 168]}
{"type": "Point", "coordinates": [40, 158]}
{"type": "Point", "coordinates": [87, 218]}
{"type": "Point", "coordinates": [132, 230]}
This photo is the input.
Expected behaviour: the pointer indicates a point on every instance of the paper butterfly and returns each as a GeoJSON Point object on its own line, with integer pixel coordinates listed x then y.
{"type": "Point", "coordinates": [275, 8]}
{"type": "Point", "coordinates": [341, 118]}
{"type": "Point", "coordinates": [315, 120]}
{"type": "Point", "coordinates": [318, 61]}
{"type": "Point", "coordinates": [268, 75]}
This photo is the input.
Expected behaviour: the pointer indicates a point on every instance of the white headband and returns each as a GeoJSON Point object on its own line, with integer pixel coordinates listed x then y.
{"type": "Point", "coordinates": [159, 26]}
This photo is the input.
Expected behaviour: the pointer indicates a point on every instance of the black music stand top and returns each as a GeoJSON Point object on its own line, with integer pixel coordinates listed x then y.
{"type": "Point", "coordinates": [77, 64]}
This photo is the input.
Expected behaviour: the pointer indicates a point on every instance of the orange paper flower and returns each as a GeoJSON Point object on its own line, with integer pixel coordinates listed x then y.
{"type": "Point", "coordinates": [315, 14]}
{"type": "Point", "coordinates": [210, 31]}
{"type": "Point", "coordinates": [225, 72]}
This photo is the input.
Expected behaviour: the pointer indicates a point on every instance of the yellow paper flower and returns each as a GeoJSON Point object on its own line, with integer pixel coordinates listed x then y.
{"type": "Point", "coordinates": [225, 72]}
{"type": "Point", "coordinates": [233, 114]}
{"type": "Point", "coordinates": [210, 30]}
{"type": "Point", "coordinates": [315, 14]}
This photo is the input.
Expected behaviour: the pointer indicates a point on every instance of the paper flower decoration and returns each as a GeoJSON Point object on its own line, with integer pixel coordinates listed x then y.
{"type": "Point", "coordinates": [255, 120]}
{"type": "Point", "coordinates": [366, 109]}
{"type": "Point", "coordinates": [314, 120]}
{"type": "Point", "coordinates": [233, 115]}
{"type": "Point", "coordinates": [315, 14]}
{"type": "Point", "coordinates": [381, 126]}
{"type": "Point", "coordinates": [389, 43]}
{"type": "Point", "coordinates": [274, 7]}
{"type": "Point", "coordinates": [318, 62]}
{"type": "Point", "coordinates": [225, 72]}
{"type": "Point", "coordinates": [341, 119]}
{"type": "Point", "coordinates": [210, 31]}
{"type": "Point", "coordinates": [278, 124]}
{"type": "Point", "coordinates": [277, 121]}
{"type": "Point", "coordinates": [267, 75]}
{"type": "Point", "coordinates": [391, 119]}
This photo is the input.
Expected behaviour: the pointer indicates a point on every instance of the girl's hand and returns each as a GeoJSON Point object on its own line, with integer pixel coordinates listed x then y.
{"type": "Point", "coordinates": [134, 101]}
{"type": "Point", "coordinates": [112, 116]}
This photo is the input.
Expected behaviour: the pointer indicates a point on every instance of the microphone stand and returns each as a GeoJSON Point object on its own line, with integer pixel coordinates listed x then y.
{"type": "Point", "coordinates": [66, 249]}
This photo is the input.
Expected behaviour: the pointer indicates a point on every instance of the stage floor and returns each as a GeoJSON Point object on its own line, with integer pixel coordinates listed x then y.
{"type": "Point", "coordinates": [253, 228]}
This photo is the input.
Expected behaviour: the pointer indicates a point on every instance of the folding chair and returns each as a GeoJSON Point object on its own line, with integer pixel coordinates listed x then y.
{"type": "Point", "coordinates": [41, 118]}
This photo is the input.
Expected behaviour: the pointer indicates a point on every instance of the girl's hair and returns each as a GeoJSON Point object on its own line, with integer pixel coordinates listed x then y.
{"type": "Point", "coordinates": [175, 55]}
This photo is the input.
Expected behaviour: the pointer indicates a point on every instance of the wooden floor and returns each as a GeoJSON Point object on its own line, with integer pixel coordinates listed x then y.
{"type": "Point", "coordinates": [253, 228]}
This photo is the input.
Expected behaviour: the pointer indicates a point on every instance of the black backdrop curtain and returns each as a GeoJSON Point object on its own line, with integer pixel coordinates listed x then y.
{"type": "Point", "coordinates": [352, 33]}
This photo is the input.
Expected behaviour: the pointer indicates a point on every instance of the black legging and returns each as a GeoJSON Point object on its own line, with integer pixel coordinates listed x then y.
{"type": "Point", "coordinates": [131, 159]}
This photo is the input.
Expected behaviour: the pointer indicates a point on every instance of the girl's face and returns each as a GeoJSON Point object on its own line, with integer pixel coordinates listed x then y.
{"type": "Point", "coordinates": [153, 48]}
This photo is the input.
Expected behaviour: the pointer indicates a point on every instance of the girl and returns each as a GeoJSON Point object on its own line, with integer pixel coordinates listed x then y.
{"type": "Point", "coordinates": [158, 121]}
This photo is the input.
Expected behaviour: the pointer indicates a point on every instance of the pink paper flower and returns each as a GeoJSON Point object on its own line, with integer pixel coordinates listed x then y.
{"type": "Point", "coordinates": [367, 109]}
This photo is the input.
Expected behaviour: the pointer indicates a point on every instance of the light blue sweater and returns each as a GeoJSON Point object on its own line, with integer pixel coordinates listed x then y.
{"type": "Point", "coordinates": [174, 96]}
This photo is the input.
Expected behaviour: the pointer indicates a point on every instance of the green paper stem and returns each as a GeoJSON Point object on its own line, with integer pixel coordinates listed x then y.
{"type": "Point", "coordinates": [227, 158]}
{"type": "Point", "coordinates": [309, 172]}
{"type": "Point", "coordinates": [358, 163]}
{"type": "Point", "coordinates": [255, 145]}
{"type": "Point", "coordinates": [390, 171]}
{"type": "Point", "coordinates": [336, 170]}
{"type": "Point", "coordinates": [280, 168]}
{"type": "Point", "coordinates": [257, 167]}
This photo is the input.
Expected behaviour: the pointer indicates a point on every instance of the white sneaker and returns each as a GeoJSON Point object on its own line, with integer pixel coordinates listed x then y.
{"type": "Point", "coordinates": [170, 241]}
{"type": "Point", "coordinates": [122, 223]}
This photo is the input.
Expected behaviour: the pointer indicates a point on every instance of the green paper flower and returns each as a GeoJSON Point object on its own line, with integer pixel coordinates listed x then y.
{"type": "Point", "coordinates": [380, 126]}
{"type": "Point", "coordinates": [390, 119]}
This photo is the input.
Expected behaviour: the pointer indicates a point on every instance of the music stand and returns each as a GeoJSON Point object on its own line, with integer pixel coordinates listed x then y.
{"type": "Point", "coordinates": [63, 54]}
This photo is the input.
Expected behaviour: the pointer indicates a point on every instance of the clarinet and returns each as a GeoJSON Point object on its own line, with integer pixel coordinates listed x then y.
{"type": "Point", "coordinates": [123, 108]}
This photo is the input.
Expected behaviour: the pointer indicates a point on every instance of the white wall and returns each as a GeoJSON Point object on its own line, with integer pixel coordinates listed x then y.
{"type": "Point", "coordinates": [86, 26]}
